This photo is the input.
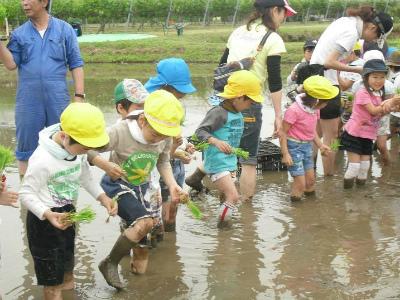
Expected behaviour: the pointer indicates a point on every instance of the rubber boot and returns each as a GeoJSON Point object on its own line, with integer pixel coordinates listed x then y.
{"type": "Point", "coordinates": [295, 198]}
{"type": "Point", "coordinates": [194, 180]}
{"type": "Point", "coordinates": [109, 266]}
{"type": "Point", "coordinates": [348, 183]}
{"type": "Point", "coordinates": [361, 182]}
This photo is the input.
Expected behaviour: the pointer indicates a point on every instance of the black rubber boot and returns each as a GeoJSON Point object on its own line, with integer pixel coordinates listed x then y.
{"type": "Point", "coordinates": [109, 266]}
{"type": "Point", "coordinates": [295, 198]}
{"type": "Point", "coordinates": [361, 182]}
{"type": "Point", "coordinates": [194, 180]}
{"type": "Point", "coordinates": [348, 183]}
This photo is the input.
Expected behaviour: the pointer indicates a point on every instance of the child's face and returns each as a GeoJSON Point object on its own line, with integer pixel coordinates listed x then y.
{"type": "Point", "coordinates": [74, 149]}
{"type": "Point", "coordinates": [150, 135]}
{"type": "Point", "coordinates": [242, 103]}
{"type": "Point", "coordinates": [376, 80]}
{"type": "Point", "coordinates": [308, 53]}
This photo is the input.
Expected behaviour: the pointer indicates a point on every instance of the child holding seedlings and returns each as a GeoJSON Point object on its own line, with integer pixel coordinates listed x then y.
{"type": "Point", "coordinates": [50, 188]}
{"type": "Point", "coordinates": [173, 75]}
{"type": "Point", "coordinates": [362, 128]}
{"type": "Point", "coordinates": [299, 133]}
{"type": "Point", "coordinates": [138, 144]}
{"type": "Point", "coordinates": [222, 128]}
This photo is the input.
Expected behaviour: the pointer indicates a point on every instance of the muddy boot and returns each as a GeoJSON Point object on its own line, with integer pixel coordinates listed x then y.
{"type": "Point", "coordinates": [295, 198]}
{"type": "Point", "coordinates": [361, 182]}
{"type": "Point", "coordinates": [194, 180]}
{"type": "Point", "coordinates": [348, 183]}
{"type": "Point", "coordinates": [109, 266]}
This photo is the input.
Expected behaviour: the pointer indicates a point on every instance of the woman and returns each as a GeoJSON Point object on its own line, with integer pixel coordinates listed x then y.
{"type": "Point", "coordinates": [242, 43]}
{"type": "Point", "coordinates": [339, 38]}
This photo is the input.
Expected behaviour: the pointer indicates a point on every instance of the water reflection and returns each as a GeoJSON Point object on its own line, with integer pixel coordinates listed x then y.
{"type": "Point", "coordinates": [342, 244]}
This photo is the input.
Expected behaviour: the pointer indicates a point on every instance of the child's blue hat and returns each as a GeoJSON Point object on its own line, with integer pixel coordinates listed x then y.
{"type": "Point", "coordinates": [174, 72]}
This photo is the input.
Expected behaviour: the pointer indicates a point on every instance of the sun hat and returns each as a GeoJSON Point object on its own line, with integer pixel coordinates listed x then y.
{"type": "Point", "coordinates": [130, 89]}
{"type": "Point", "coordinates": [320, 88]}
{"type": "Point", "coordinates": [174, 72]}
{"type": "Point", "coordinates": [164, 113]}
{"type": "Point", "coordinates": [243, 83]}
{"type": "Point", "coordinates": [310, 44]}
{"type": "Point", "coordinates": [261, 5]}
{"type": "Point", "coordinates": [394, 59]}
{"type": "Point", "coordinates": [373, 54]}
{"type": "Point", "coordinates": [85, 124]}
{"type": "Point", "coordinates": [374, 65]}
{"type": "Point", "coordinates": [385, 26]}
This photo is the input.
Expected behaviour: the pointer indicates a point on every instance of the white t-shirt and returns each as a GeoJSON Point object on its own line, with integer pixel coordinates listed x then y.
{"type": "Point", "coordinates": [341, 35]}
{"type": "Point", "coordinates": [396, 85]}
{"type": "Point", "coordinates": [243, 43]}
{"type": "Point", "coordinates": [351, 75]}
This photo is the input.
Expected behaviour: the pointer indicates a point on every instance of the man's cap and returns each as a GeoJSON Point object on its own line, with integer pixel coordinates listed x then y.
{"type": "Point", "coordinates": [130, 89]}
{"type": "Point", "coordinates": [164, 113]}
{"type": "Point", "coordinates": [374, 65]}
{"type": "Point", "coordinates": [320, 88]}
{"type": "Point", "coordinates": [174, 72]}
{"type": "Point", "coordinates": [243, 83]}
{"type": "Point", "coordinates": [394, 59]}
{"type": "Point", "coordinates": [260, 5]}
{"type": "Point", "coordinates": [85, 124]}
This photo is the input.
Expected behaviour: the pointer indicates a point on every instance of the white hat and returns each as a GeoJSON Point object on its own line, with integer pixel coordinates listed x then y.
{"type": "Point", "coordinates": [373, 54]}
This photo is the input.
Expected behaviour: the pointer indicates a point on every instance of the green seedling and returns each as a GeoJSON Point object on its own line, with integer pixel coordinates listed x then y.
{"type": "Point", "coordinates": [197, 214]}
{"type": "Point", "coordinates": [86, 215]}
{"type": "Point", "coordinates": [114, 202]}
{"type": "Point", "coordinates": [335, 145]}
{"type": "Point", "coordinates": [6, 157]}
{"type": "Point", "coordinates": [201, 146]}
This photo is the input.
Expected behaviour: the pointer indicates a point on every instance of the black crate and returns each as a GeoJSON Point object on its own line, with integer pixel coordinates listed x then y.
{"type": "Point", "coordinates": [269, 157]}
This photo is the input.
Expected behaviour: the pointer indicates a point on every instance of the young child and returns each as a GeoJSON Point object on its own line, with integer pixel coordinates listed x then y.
{"type": "Point", "coordinates": [299, 132]}
{"type": "Point", "coordinates": [222, 127]}
{"type": "Point", "coordinates": [173, 75]}
{"type": "Point", "coordinates": [361, 130]}
{"type": "Point", "coordinates": [138, 144]}
{"type": "Point", "coordinates": [50, 188]}
{"type": "Point", "coordinates": [308, 49]}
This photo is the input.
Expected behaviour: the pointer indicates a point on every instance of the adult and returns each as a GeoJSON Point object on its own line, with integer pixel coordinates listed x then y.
{"type": "Point", "coordinates": [337, 39]}
{"type": "Point", "coordinates": [42, 48]}
{"type": "Point", "coordinates": [243, 42]}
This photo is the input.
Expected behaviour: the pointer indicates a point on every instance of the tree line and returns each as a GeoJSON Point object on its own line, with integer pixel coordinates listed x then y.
{"type": "Point", "coordinates": [170, 11]}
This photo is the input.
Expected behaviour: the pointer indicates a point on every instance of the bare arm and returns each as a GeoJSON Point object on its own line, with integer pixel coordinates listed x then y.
{"type": "Point", "coordinates": [78, 77]}
{"type": "Point", "coordinates": [286, 158]}
{"type": "Point", "coordinates": [332, 62]}
{"type": "Point", "coordinates": [6, 58]}
{"type": "Point", "coordinates": [374, 110]}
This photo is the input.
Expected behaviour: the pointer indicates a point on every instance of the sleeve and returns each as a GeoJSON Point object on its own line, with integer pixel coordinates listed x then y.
{"type": "Point", "coordinates": [74, 58]}
{"type": "Point", "coordinates": [274, 73]}
{"type": "Point", "coordinates": [112, 144]}
{"type": "Point", "coordinates": [87, 181]}
{"type": "Point", "coordinates": [15, 49]}
{"type": "Point", "coordinates": [215, 118]}
{"type": "Point", "coordinates": [347, 39]}
{"type": "Point", "coordinates": [275, 45]}
{"type": "Point", "coordinates": [34, 180]}
{"type": "Point", "coordinates": [290, 115]}
{"type": "Point", "coordinates": [164, 157]}
{"type": "Point", "coordinates": [363, 97]}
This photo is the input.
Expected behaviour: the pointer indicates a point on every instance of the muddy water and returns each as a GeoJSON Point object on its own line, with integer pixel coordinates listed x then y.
{"type": "Point", "coordinates": [341, 245]}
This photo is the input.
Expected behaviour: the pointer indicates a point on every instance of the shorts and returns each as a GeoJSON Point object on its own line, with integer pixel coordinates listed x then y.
{"type": "Point", "coordinates": [333, 109]}
{"type": "Point", "coordinates": [358, 145]}
{"type": "Point", "coordinates": [52, 249]}
{"type": "Point", "coordinates": [384, 126]}
{"type": "Point", "coordinates": [216, 176]}
{"type": "Point", "coordinates": [178, 169]}
{"type": "Point", "coordinates": [394, 121]}
{"type": "Point", "coordinates": [302, 156]}
{"type": "Point", "coordinates": [251, 134]}
{"type": "Point", "coordinates": [131, 203]}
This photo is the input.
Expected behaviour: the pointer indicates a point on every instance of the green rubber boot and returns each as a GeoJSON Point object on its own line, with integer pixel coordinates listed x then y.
{"type": "Point", "coordinates": [194, 180]}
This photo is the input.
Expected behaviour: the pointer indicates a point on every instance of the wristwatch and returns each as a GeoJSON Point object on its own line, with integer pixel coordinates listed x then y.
{"type": "Point", "coordinates": [83, 96]}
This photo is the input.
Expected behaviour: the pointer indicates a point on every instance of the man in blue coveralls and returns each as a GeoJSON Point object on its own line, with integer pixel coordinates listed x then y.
{"type": "Point", "coordinates": [42, 49]}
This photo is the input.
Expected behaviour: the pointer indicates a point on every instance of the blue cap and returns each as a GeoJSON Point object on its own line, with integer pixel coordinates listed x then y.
{"type": "Point", "coordinates": [174, 72]}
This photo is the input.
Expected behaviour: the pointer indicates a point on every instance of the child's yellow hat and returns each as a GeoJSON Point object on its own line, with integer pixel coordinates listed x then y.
{"type": "Point", "coordinates": [85, 124]}
{"type": "Point", "coordinates": [164, 113]}
{"type": "Point", "coordinates": [243, 83]}
{"type": "Point", "coordinates": [320, 88]}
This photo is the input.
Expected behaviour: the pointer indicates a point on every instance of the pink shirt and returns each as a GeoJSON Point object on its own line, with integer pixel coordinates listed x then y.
{"type": "Point", "coordinates": [303, 123]}
{"type": "Point", "coordinates": [362, 123]}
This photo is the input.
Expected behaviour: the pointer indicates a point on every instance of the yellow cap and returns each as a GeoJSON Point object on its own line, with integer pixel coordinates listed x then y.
{"type": "Point", "coordinates": [357, 46]}
{"type": "Point", "coordinates": [164, 113]}
{"type": "Point", "coordinates": [320, 88]}
{"type": "Point", "coordinates": [243, 83]}
{"type": "Point", "coordinates": [85, 124]}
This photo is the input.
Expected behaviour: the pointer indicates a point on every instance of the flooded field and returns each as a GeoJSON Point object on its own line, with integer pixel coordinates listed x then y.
{"type": "Point", "coordinates": [340, 245]}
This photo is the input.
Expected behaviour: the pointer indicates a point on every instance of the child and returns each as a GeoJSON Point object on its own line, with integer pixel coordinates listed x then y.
{"type": "Point", "coordinates": [50, 188]}
{"type": "Point", "coordinates": [173, 75]}
{"type": "Point", "coordinates": [138, 144]}
{"type": "Point", "coordinates": [299, 131]}
{"type": "Point", "coordinates": [222, 127]}
{"type": "Point", "coordinates": [361, 129]}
